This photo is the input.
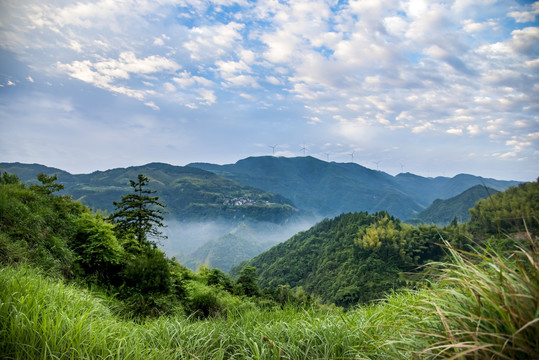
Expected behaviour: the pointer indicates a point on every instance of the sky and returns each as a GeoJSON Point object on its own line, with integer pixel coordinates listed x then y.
{"type": "Point", "coordinates": [435, 88]}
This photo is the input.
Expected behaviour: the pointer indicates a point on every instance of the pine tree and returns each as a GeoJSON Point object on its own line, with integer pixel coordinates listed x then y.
{"type": "Point", "coordinates": [139, 213]}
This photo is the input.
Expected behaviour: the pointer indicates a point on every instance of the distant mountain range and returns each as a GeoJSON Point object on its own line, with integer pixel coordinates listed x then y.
{"type": "Point", "coordinates": [329, 188]}
{"type": "Point", "coordinates": [271, 198]}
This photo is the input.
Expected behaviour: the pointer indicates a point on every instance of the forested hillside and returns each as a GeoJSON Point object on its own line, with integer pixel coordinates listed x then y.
{"type": "Point", "coordinates": [190, 194]}
{"type": "Point", "coordinates": [442, 212]}
{"type": "Point", "coordinates": [358, 257]}
{"type": "Point", "coordinates": [353, 258]}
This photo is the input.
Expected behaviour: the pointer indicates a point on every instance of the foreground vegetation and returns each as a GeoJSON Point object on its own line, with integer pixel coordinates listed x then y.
{"type": "Point", "coordinates": [484, 306]}
{"type": "Point", "coordinates": [71, 287]}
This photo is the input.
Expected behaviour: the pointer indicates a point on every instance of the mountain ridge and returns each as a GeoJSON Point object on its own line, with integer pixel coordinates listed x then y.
{"type": "Point", "coordinates": [346, 187]}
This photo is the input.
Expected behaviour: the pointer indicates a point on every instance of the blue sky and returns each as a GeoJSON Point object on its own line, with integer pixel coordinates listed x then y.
{"type": "Point", "coordinates": [433, 88]}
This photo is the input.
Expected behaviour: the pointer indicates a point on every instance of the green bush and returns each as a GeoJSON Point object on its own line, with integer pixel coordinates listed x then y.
{"type": "Point", "coordinates": [98, 251]}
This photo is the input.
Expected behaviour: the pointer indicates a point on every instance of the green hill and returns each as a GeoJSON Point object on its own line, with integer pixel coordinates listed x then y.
{"type": "Point", "coordinates": [224, 253]}
{"type": "Point", "coordinates": [191, 194]}
{"type": "Point", "coordinates": [442, 212]}
{"type": "Point", "coordinates": [335, 261]}
{"type": "Point", "coordinates": [357, 257]}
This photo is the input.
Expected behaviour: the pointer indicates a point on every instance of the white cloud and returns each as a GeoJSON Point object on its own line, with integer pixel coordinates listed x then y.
{"type": "Point", "coordinates": [470, 26]}
{"type": "Point", "coordinates": [526, 16]}
{"type": "Point", "coordinates": [273, 80]}
{"type": "Point", "coordinates": [104, 74]}
{"type": "Point", "coordinates": [281, 46]}
{"type": "Point", "coordinates": [169, 87]}
{"type": "Point", "coordinates": [454, 131]}
{"type": "Point", "coordinates": [422, 128]}
{"type": "Point", "coordinates": [526, 40]}
{"type": "Point", "coordinates": [186, 80]}
{"type": "Point", "coordinates": [473, 129]}
{"type": "Point", "coordinates": [213, 41]}
{"type": "Point", "coordinates": [207, 97]}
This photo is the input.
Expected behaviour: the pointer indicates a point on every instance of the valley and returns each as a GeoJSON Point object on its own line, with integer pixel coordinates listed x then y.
{"type": "Point", "coordinates": [262, 201]}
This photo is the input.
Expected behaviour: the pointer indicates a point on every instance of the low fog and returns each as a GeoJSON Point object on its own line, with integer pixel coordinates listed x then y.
{"type": "Point", "coordinates": [184, 238]}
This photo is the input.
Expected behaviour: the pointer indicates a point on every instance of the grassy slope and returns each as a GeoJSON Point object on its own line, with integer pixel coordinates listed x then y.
{"type": "Point", "coordinates": [485, 305]}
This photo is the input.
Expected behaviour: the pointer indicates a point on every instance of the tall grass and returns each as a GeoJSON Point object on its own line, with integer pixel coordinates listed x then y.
{"type": "Point", "coordinates": [43, 319]}
{"type": "Point", "coordinates": [484, 306]}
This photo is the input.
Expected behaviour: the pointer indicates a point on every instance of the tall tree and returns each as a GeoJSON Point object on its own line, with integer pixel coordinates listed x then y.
{"type": "Point", "coordinates": [140, 213]}
{"type": "Point", "coordinates": [48, 185]}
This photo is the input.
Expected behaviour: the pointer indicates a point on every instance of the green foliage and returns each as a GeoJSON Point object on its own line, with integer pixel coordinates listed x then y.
{"type": "Point", "coordinates": [483, 305]}
{"type": "Point", "coordinates": [36, 227]}
{"type": "Point", "coordinates": [139, 213]}
{"type": "Point", "coordinates": [218, 279]}
{"type": "Point", "coordinates": [508, 212]}
{"type": "Point", "coordinates": [247, 283]}
{"type": "Point", "coordinates": [98, 250]}
{"type": "Point", "coordinates": [147, 273]}
{"type": "Point", "coordinates": [7, 178]}
{"type": "Point", "coordinates": [48, 184]}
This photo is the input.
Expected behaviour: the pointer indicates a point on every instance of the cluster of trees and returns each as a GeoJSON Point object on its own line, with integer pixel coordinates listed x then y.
{"type": "Point", "coordinates": [511, 211]}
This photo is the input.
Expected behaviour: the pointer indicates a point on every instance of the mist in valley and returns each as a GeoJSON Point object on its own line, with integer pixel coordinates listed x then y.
{"type": "Point", "coordinates": [186, 240]}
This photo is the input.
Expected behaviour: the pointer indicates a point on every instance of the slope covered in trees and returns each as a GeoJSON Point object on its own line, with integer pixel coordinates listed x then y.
{"type": "Point", "coordinates": [189, 193]}
{"type": "Point", "coordinates": [442, 212]}
{"type": "Point", "coordinates": [358, 257]}
{"type": "Point", "coordinates": [353, 258]}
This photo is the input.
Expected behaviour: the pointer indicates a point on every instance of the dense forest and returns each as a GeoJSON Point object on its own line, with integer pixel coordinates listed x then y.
{"type": "Point", "coordinates": [75, 283]}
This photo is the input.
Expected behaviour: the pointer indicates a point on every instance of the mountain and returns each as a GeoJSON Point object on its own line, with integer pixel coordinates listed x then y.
{"type": "Point", "coordinates": [189, 193]}
{"type": "Point", "coordinates": [225, 252]}
{"type": "Point", "coordinates": [331, 261]}
{"type": "Point", "coordinates": [329, 188]}
{"type": "Point", "coordinates": [273, 197]}
{"type": "Point", "coordinates": [326, 189]}
{"type": "Point", "coordinates": [426, 190]}
{"type": "Point", "coordinates": [442, 212]}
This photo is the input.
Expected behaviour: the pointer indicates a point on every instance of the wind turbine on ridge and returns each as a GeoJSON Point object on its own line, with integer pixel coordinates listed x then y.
{"type": "Point", "coordinates": [273, 148]}
{"type": "Point", "coordinates": [303, 148]}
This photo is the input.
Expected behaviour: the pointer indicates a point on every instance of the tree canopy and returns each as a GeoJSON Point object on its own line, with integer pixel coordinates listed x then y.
{"type": "Point", "coordinates": [139, 213]}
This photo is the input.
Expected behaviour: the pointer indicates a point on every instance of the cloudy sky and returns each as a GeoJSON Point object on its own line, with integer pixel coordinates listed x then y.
{"type": "Point", "coordinates": [435, 88]}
